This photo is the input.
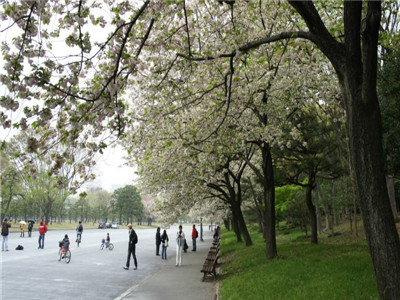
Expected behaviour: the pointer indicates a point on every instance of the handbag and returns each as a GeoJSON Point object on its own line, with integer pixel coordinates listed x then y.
{"type": "Point", "coordinates": [166, 243]}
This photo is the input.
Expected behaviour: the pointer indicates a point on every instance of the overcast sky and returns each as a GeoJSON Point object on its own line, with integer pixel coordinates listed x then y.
{"type": "Point", "coordinates": [110, 171]}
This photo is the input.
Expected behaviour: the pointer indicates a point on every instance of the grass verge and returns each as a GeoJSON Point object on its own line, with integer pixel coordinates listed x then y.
{"type": "Point", "coordinates": [330, 270]}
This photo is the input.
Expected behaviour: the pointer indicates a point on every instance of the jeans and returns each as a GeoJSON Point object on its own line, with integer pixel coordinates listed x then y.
{"type": "Point", "coordinates": [194, 245]}
{"type": "Point", "coordinates": [41, 238]}
{"type": "Point", "coordinates": [163, 252]}
{"type": "Point", "coordinates": [4, 245]}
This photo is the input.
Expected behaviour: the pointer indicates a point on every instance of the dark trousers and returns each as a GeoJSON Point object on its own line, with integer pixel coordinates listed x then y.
{"type": "Point", "coordinates": [157, 249]}
{"type": "Point", "coordinates": [131, 251]}
{"type": "Point", "coordinates": [41, 241]}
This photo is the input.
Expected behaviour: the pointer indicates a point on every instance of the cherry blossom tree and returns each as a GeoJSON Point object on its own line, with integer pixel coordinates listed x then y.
{"type": "Point", "coordinates": [84, 100]}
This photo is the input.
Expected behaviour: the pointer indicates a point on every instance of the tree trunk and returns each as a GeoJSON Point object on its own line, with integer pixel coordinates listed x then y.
{"type": "Point", "coordinates": [355, 62]}
{"type": "Point", "coordinates": [364, 126]}
{"type": "Point", "coordinates": [235, 225]}
{"type": "Point", "coordinates": [269, 203]}
{"type": "Point", "coordinates": [313, 215]}
{"type": "Point", "coordinates": [242, 225]}
{"type": "Point", "coordinates": [392, 194]}
{"type": "Point", "coordinates": [318, 209]}
{"type": "Point", "coordinates": [227, 224]}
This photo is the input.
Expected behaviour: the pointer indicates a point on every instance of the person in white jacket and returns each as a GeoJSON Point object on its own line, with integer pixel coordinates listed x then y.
{"type": "Point", "coordinates": [180, 239]}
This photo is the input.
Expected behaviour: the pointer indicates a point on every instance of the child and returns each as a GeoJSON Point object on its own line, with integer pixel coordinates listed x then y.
{"type": "Point", "coordinates": [22, 228]}
{"type": "Point", "coordinates": [107, 240]}
{"type": "Point", "coordinates": [65, 243]}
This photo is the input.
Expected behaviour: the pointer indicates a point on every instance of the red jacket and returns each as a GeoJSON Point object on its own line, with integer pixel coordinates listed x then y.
{"type": "Point", "coordinates": [42, 228]}
{"type": "Point", "coordinates": [194, 231]}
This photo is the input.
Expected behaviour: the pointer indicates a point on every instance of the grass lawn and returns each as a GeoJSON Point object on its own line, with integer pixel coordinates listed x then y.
{"type": "Point", "coordinates": [337, 268]}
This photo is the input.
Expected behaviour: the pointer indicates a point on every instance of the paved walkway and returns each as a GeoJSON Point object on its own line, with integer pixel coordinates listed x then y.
{"type": "Point", "coordinates": [169, 282]}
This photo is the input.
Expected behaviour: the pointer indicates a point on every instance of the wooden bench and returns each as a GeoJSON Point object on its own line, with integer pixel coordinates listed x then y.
{"type": "Point", "coordinates": [213, 252]}
{"type": "Point", "coordinates": [215, 248]}
{"type": "Point", "coordinates": [209, 268]}
{"type": "Point", "coordinates": [216, 241]}
{"type": "Point", "coordinates": [211, 260]}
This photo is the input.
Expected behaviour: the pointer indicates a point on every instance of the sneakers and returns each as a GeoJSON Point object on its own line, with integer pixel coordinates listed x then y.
{"type": "Point", "coordinates": [135, 268]}
{"type": "Point", "coordinates": [126, 268]}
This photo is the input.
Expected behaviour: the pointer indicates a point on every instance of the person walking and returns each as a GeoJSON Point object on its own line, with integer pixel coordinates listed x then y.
{"type": "Point", "coordinates": [4, 232]}
{"type": "Point", "coordinates": [164, 242]}
{"type": "Point", "coordinates": [30, 228]}
{"type": "Point", "coordinates": [133, 239]}
{"type": "Point", "coordinates": [195, 235]}
{"type": "Point", "coordinates": [79, 230]}
{"type": "Point", "coordinates": [180, 239]}
{"type": "Point", "coordinates": [42, 232]}
{"type": "Point", "coordinates": [158, 241]}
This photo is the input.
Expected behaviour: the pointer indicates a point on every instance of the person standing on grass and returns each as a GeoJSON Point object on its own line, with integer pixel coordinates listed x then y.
{"type": "Point", "coordinates": [4, 232]}
{"type": "Point", "coordinates": [195, 235]}
{"type": "Point", "coordinates": [158, 241]}
{"type": "Point", "coordinates": [133, 239]}
{"type": "Point", "coordinates": [180, 240]}
{"type": "Point", "coordinates": [164, 242]}
{"type": "Point", "coordinates": [42, 232]}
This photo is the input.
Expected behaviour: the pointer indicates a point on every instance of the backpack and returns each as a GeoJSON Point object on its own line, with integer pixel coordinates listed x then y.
{"type": "Point", "coordinates": [197, 234]}
{"type": "Point", "coordinates": [19, 247]}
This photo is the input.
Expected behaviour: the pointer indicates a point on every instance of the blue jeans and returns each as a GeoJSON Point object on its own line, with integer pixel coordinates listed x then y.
{"type": "Point", "coordinates": [4, 245]}
{"type": "Point", "coordinates": [163, 252]}
{"type": "Point", "coordinates": [194, 244]}
{"type": "Point", "coordinates": [41, 238]}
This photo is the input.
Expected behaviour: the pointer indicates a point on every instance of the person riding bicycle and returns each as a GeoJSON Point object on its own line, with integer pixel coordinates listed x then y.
{"type": "Point", "coordinates": [79, 230]}
{"type": "Point", "coordinates": [107, 240]}
{"type": "Point", "coordinates": [65, 245]}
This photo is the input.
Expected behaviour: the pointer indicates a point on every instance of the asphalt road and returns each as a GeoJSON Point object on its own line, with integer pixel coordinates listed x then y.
{"type": "Point", "coordinates": [92, 273]}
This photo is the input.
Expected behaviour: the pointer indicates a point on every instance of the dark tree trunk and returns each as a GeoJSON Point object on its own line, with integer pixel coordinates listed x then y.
{"type": "Point", "coordinates": [313, 215]}
{"type": "Point", "coordinates": [227, 224]}
{"type": "Point", "coordinates": [242, 225]}
{"type": "Point", "coordinates": [235, 225]}
{"type": "Point", "coordinates": [318, 209]}
{"type": "Point", "coordinates": [269, 203]}
{"type": "Point", "coordinates": [260, 222]}
{"type": "Point", "coordinates": [392, 194]}
{"type": "Point", "coordinates": [355, 62]}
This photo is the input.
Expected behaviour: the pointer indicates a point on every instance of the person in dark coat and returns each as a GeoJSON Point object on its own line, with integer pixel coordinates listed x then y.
{"type": "Point", "coordinates": [158, 241]}
{"type": "Point", "coordinates": [30, 228]}
{"type": "Point", "coordinates": [4, 232]}
{"type": "Point", "coordinates": [133, 239]}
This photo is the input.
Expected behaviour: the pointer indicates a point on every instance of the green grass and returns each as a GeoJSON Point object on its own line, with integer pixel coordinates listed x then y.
{"type": "Point", "coordinates": [330, 270]}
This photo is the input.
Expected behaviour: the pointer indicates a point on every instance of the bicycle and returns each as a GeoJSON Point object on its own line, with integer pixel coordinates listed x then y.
{"type": "Point", "coordinates": [110, 246]}
{"type": "Point", "coordinates": [62, 254]}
